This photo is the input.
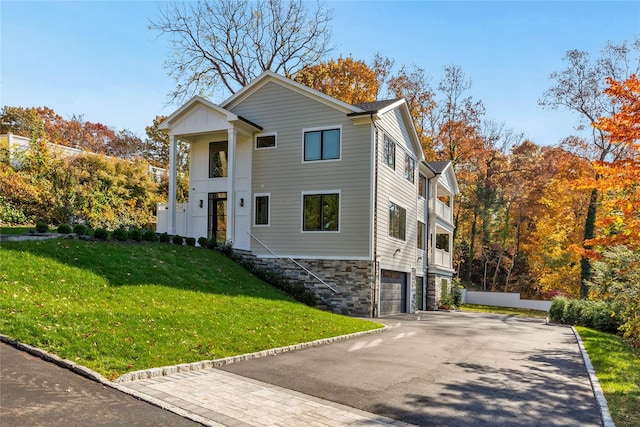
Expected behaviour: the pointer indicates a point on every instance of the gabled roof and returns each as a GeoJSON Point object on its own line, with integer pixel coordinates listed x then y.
{"type": "Point", "coordinates": [445, 168]}
{"type": "Point", "coordinates": [230, 116]}
{"type": "Point", "coordinates": [377, 106]}
{"type": "Point", "coordinates": [270, 76]}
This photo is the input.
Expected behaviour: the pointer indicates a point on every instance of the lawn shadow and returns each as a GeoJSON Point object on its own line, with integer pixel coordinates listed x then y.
{"type": "Point", "coordinates": [186, 268]}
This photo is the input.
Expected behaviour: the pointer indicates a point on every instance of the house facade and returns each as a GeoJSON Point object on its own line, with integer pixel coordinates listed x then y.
{"type": "Point", "coordinates": [336, 195]}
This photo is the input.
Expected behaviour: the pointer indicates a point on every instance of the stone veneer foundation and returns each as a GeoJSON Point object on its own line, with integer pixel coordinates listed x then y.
{"type": "Point", "coordinates": [353, 281]}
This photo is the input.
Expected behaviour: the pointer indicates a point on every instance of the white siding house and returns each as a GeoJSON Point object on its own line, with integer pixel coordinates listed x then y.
{"type": "Point", "coordinates": [333, 194]}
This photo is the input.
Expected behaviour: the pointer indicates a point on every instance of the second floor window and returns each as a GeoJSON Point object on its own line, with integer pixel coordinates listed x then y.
{"type": "Point", "coordinates": [266, 141]}
{"type": "Point", "coordinates": [409, 168]}
{"type": "Point", "coordinates": [397, 221]}
{"type": "Point", "coordinates": [389, 152]}
{"type": "Point", "coordinates": [420, 243]}
{"type": "Point", "coordinates": [218, 159]}
{"type": "Point", "coordinates": [322, 145]}
{"type": "Point", "coordinates": [422, 186]}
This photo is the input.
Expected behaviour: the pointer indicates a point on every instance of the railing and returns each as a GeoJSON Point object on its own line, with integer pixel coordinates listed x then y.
{"type": "Point", "coordinates": [295, 262]}
{"type": "Point", "coordinates": [443, 211]}
{"type": "Point", "coordinates": [441, 258]}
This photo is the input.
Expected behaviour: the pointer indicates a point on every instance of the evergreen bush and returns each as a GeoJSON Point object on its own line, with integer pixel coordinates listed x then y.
{"type": "Point", "coordinates": [64, 229]}
{"type": "Point", "coordinates": [135, 234]}
{"type": "Point", "coordinates": [101, 234]}
{"type": "Point", "coordinates": [191, 241]}
{"type": "Point", "coordinates": [149, 235]}
{"type": "Point", "coordinates": [80, 229]}
{"type": "Point", "coordinates": [121, 234]}
{"type": "Point", "coordinates": [178, 240]}
{"type": "Point", "coordinates": [164, 238]}
{"type": "Point", "coordinates": [202, 241]}
{"type": "Point", "coordinates": [42, 227]}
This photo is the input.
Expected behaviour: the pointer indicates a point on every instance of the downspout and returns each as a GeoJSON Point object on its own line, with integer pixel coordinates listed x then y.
{"type": "Point", "coordinates": [374, 286]}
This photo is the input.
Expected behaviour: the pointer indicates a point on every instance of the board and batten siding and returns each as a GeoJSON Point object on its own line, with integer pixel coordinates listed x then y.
{"type": "Point", "coordinates": [282, 173]}
{"type": "Point", "coordinates": [392, 186]}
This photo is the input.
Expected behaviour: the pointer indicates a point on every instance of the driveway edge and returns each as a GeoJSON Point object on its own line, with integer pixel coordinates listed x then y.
{"type": "Point", "coordinates": [206, 364]}
{"type": "Point", "coordinates": [607, 421]}
{"type": "Point", "coordinates": [168, 370]}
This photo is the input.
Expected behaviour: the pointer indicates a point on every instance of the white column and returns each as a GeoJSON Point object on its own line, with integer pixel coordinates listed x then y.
{"type": "Point", "coordinates": [173, 172]}
{"type": "Point", "coordinates": [231, 185]}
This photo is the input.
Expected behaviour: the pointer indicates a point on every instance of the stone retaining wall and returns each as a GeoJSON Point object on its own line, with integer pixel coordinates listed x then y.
{"type": "Point", "coordinates": [351, 279]}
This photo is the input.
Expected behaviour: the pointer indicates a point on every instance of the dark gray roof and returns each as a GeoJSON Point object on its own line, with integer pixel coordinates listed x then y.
{"type": "Point", "coordinates": [373, 107]}
{"type": "Point", "coordinates": [438, 167]}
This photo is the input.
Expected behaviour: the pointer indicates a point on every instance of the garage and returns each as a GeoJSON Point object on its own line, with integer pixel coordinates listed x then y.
{"type": "Point", "coordinates": [393, 292]}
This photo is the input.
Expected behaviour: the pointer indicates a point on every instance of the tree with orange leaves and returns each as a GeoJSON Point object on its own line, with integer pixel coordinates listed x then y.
{"type": "Point", "coordinates": [346, 79]}
{"type": "Point", "coordinates": [619, 181]}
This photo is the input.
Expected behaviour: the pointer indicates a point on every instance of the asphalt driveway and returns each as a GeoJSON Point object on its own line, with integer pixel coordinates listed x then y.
{"type": "Point", "coordinates": [446, 369]}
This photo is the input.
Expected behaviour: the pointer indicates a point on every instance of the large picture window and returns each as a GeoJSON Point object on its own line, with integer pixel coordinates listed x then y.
{"type": "Point", "coordinates": [321, 212]}
{"type": "Point", "coordinates": [261, 216]}
{"type": "Point", "coordinates": [397, 221]}
{"type": "Point", "coordinates": [389, 152]}
{"type": "Point", "coordinates": [409, 168]}
{"type": "Point", "coordinates": [322, 145]}
{"type": "Point", "coordinates": [218, 159]}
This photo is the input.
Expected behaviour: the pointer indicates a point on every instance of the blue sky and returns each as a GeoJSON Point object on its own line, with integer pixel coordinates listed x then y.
{"type": "Point", "coordinates": [100, 60]}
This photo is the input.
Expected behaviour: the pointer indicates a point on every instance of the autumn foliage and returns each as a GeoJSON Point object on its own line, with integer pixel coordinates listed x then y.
{"type": "Point", "coordinates": [618, 181]}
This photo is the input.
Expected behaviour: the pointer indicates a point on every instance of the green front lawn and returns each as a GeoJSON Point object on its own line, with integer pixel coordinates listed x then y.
{"type": "Point", "coordinates": [617, 367]}
{"type": "Point", "coordinates": [117, 308]}
{"type": "Point", "coordinates": [15, 230]}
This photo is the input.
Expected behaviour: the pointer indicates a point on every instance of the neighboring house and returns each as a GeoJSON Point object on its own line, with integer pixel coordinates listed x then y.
{"type": "Point", "coordinates": [19, 145]}
{"type": "Point", "coordinates": [333, 194]}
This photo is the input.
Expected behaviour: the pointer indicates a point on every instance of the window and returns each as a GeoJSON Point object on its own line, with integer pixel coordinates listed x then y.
{"type": "Point", "coordinates": [218, 159]}
{"type": "Point", "coordinates": [261, 215]}
{"type": "Point", "coordinates": [397, 221]}
{"type": "Point", "coordinates": [322, 145]}
{"type": "Point", "coordinates": [320, 212]}
{"type": "Point", "coordinates": [389, 152]}
{"type": "Point", "coordinates": [266, 141]}
{"type": "Point", "coordinates": [420, 235]}
{"type": "Point", "coordinates": [422, 186]}
{"type": "Point", "coordinates": [409, 168]}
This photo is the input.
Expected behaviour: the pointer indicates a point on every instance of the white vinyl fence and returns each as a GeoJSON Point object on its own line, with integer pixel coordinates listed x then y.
{"type": "Point", "coordinates": [503, 299]}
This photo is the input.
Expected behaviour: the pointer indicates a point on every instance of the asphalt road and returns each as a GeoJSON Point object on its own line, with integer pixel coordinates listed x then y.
{"type": "Point", "coordinates": [446, 369]}
{"type": "Point", "coordinates": [38, 393]}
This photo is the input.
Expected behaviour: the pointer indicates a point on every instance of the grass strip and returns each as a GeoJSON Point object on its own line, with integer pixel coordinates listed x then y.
{"type": "Point", "coordinates": [504, 310]}
{"type": "Point", "coordinates": [617, 367]}
{"type": "Point", "coordinates": [116, 307]}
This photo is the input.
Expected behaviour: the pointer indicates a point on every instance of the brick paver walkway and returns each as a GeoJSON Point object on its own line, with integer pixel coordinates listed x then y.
{"type": "Point", "coordinates": [219, 398]}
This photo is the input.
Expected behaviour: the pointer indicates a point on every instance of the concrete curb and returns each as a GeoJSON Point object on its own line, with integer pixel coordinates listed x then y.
{"type": "Point", "coordinates": [607, 421]}
{"type": "Point", "coordinates": [206, 364]}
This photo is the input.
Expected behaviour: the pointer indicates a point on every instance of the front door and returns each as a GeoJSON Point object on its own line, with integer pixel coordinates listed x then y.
{"type": "Point", "coordinates": [217, 219]}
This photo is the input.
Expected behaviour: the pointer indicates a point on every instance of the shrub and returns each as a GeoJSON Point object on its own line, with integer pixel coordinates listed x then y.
{"type": "Point", "coordinates": [135, 234]}
{"type": "Point", "coordinates": [80, 229]}
{"type": "Point", "coordinates": [64, 229]}
{"type": "Point", "coordinates": [202, 241]}
{"type": "Point", "coordinates": [101, 234]}
{"type": "Point", "coordinates": [149, 235]}
{"type": "Point", "coordinates": [556, 311]}
{"type": "Point", "coordinates": [164, 238]}
{"type": "Point", "coordinates": [121, 234]}
{"type": "Point", "coordinates": [42, 227]}
{"type": "Point", "coordinates": [212, 244]}
{"type": "Point", "coordinates": [191, 241]}
{"type": "Point", "coordinates": [178, 240]}
{"type": "Point", "coordinates": [226, 248]}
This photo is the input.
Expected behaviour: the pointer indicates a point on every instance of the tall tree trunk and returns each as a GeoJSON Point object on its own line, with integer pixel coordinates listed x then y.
{"type": "Point", "coordinates": [472, 245]}
{"type": "Point", "coordinates": [589, 233]}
